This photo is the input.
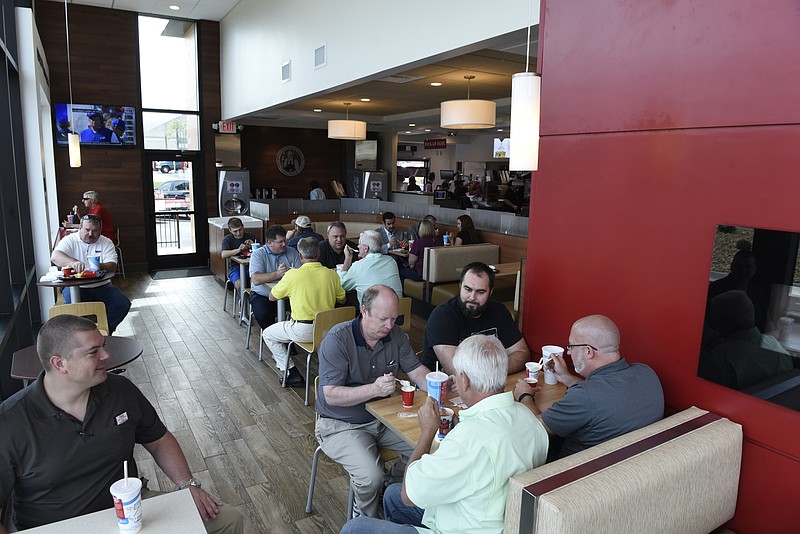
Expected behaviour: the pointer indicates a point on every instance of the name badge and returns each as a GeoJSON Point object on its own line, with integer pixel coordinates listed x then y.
{"type": "Point", "coordinates": [121, 418]}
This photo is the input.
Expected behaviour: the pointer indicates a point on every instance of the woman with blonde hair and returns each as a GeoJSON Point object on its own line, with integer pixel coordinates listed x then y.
{"type": "Point", "coordinates": [416, 255]}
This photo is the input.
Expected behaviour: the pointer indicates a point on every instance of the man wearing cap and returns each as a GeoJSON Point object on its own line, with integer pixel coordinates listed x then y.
{"type": "Point", "coordinates": [236, 242]}
{"type": "Point", "coordinates": [302, 228]}
{"type": "Point", "coordinates": [66, 437]}
{"type": "Point", "coordinates": [74, 251]}
{"type": "Point", "coordinates": [268, 264]}
{"type": "Point", "coordinates": [97, 131]}
{"type": "Point", "coordinates": [462, 486]}
{"type": "Point", "coordinates": [312, 288]}
{"type": "Point", "coordinates": [331, 250]}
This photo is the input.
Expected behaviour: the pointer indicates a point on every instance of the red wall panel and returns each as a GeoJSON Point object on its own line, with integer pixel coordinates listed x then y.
{"type": "Point", "coordinates": [654, 132]}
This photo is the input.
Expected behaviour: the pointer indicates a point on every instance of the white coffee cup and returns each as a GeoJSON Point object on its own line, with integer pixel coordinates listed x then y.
{"type": "Point", "coordinates": [128, 504]}
{"type": "Point", "coordinates": [548, 351]}
{"type": "Point", "coordinates": [533, 369]}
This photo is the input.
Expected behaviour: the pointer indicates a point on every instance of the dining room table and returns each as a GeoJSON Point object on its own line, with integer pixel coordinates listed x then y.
{"type": "Point", "coordinates": [25, 364]}
{"type": "Point", "coordinates": [75, 296]}
{"type": "Point", "coordinates": [403, 421]}
{"type": "Point", "coordinates": [174, 513]}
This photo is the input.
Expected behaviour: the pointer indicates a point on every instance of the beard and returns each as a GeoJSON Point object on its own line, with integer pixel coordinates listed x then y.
{"type": "Point", "coordinates": [469, 312]}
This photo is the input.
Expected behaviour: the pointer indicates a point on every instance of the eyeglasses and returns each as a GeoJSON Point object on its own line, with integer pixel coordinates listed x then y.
{"type": "Point", "coordinates": [90, 217]}
{"type": "Point", "coordinates": [570, 346]}
{"type": "Point", "coordinates": [84, 199]}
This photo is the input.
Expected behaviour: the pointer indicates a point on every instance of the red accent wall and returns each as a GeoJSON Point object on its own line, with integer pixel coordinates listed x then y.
{"type": "Point", "coordinates": [660, 120]}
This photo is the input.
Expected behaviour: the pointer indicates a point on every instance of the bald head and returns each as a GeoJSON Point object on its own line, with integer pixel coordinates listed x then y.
{"type": "Point", "coordinates": [599, 331]}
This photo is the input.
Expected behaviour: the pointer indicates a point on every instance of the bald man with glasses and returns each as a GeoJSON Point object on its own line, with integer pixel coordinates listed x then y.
{"type": "Point", "coordinates": [615, 398]}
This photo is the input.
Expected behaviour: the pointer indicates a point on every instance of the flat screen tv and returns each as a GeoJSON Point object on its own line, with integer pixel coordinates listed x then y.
{"type": "Point", "coordinates": [97, 124]}
{"type": "Point", "coordinates": [446, 176]}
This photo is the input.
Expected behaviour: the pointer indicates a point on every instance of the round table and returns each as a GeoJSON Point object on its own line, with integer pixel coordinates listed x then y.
{"type": "Point", "coordinates": [73, 282]}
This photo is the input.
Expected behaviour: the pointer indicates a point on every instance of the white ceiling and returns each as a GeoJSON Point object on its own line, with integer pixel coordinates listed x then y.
{"type": "Point", "coordinates": [189, 9]}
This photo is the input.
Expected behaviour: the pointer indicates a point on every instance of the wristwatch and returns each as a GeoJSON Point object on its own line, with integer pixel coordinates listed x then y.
{"type": "Point", "coordinates": [191, 482]}
{"type": "Point", "coordinates": [526, 395]}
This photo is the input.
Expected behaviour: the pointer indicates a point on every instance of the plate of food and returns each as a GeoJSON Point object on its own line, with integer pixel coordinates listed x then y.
{"type": "Point", "coordinates": [83, 274]}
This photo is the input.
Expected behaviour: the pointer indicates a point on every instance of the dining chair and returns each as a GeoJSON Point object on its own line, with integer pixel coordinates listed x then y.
{"type": "Point", "coordinates": [229, 285]}
{"type": "Point", "coordinates": [247, 310]}
{"type": "Point", "coordinates": [96, 311]}
{"type": "Point", "coordinates": [118, 248]}
{"type": "Point", "coordinates": [323, 322]}
{"type": "Point", "coordinates": [386, 455]}
{"type": "Point", "coordinates": [404, 311]}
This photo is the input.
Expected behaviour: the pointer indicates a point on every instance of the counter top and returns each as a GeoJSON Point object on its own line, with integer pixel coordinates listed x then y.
{"type": "Point", "coordinates": [222, 222]}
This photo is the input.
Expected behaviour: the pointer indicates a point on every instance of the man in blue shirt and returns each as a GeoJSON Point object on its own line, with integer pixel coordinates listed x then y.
{"type": "Point", "coordinates": [268, 264]}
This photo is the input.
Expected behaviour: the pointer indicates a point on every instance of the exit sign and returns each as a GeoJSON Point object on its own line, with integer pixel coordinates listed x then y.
{"type": "Point", "coordinates": [227, 126]}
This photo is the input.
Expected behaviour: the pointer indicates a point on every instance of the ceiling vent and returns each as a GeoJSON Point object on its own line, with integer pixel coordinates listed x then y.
{"type": "Point", "coordinates": [286, 72]}
{"type": "Point", "coordinates": [400, 78]}
{"type": "Point", "coordinates": [266, 117]}
{"type": "Point", "coordinates": [320, 56]}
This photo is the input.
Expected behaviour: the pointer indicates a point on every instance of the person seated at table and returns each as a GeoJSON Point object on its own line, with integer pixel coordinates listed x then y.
{"type": "Point", "coordinates": [358, 362]}
{"type": "Point", "coordinates": [391, 236]}
{"type": "Point", "coordinates": [416, 256]}
{"type": "Point", "coordinates": [312, 288]}
{"type": "Point", "coordinates": [616, 397]}
{"type": "Point", "coordinates": [268, 264]}
{"type": "Point", "coordinates": [472, 312]}
{"type": "Point", "coordinates": [413, 230]}
{"type": "Point", "coordinates": [74, 251]}
{"type": "Point", "coordinates": [462, 487]}
{"type": "Point", "coordinates": [374, 267]}
{"type": "Point", "coordinates": [91, 201]}
{"type": "Point", "coordinates": [234, 244]}
{"type": "Point", "coordinates": [467, 235]}
{"type": "Point", "coordinates": [66, 436]}
{"type": "Point", "coordinates": [302, 228]}
{"type": "Point", "coordinates": [331, 250]}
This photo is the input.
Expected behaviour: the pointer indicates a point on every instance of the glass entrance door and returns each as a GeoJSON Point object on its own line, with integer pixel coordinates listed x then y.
{"type": "Point", "coordinates": [174, 236]}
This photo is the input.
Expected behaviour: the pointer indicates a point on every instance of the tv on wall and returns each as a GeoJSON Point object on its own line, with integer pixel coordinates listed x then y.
{"type": "Point", "coordinates": [101, 125]}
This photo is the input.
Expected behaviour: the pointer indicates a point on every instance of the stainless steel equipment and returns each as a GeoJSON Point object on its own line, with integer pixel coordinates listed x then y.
{"type": "Point", "coordinates": [368, 184]}
{"type": "Point", "coordinates": [234, 192]}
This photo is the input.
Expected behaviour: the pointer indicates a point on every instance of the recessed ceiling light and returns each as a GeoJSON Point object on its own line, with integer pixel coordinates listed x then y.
{"type": "Point", "coordinates": [317, 110]}
{"type": "Point", "coordinates": [173, 7]}
{"type": "Point", "coordinates": [412, 125]}
{"type": "Point", "coordinates": [365, 99]}
{"type": "Point", "coordinates": [499, 129]}
{"type": "Point", "coordinates": [436, 84]}
{"type": "Point", "coordinates": [408, 132]}
{"type": "Point", "coordinates": [427, 129]}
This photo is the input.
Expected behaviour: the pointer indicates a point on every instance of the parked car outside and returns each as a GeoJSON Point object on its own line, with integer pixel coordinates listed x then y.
{"type": "Point", "coordinates": [167, 166]}
{"type": "Point", "coordinates": [173, 189]}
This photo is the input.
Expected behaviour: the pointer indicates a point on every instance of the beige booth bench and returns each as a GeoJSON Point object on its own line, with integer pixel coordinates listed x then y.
{"type": "Point", "coordinates": [354, 228]}
{"type": "Point", "coordinates": [679, 475]}
{"type": "Point", "coordinates": [442, 271]}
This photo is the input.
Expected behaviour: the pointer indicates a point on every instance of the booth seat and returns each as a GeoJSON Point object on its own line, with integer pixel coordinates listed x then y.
{"type": "Point", "coordinates": [354, 228]}
{"type": "Point", "coordinates": [679, 475]}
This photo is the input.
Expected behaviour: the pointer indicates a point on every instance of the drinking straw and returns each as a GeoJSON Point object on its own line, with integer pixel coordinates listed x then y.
{"type": "Point", "coordinates": [437, 366]}
{"type": "Point", "coordinates": [125, 469]}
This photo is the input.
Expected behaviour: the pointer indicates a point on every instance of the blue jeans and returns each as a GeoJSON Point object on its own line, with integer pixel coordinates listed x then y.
{"type": "Point", "coordinates": [117, 304]}
{"type": "Point", "coordinates": [400, 518]}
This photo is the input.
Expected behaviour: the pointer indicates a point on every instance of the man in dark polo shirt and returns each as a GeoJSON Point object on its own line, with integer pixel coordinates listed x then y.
{"type": "Point", "coordinates": [472, 312]}
{"type": "Point", "coordinates": [331, 251]}
{"type": "Point", "coordinates": [358, 362]}
{"type": "Point", "coordinates": [64, 439]}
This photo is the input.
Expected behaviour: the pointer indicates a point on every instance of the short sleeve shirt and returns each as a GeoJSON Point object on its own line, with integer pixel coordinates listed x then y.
{"type": "Point", "coordinates": [264, 261]}
{"type": "Point", "coordinates": [311, 288]}
{"type": "Point", "coordinates": [345, 359]}
{"type": "Point", "coordinates": [229, 242]}
{"type": "Point", "coordinates": [448, 326]}
{"type": "Point", "coordinates": [60, 467]}
{"type": "Point", "coordinates": [73, 247]}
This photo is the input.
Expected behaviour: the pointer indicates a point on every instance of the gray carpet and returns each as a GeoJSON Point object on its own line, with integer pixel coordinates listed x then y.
{"type": "Point", "coordinates": [180, 273]}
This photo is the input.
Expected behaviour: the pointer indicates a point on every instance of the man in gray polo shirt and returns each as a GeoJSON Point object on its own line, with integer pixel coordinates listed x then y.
{"type": "Point", "coordinates": [358, 362]}
{"type": "Point", "coordinates": [617, 397]}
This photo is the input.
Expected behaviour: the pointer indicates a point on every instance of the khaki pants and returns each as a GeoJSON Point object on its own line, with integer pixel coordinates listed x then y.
{"type": "Point", "coordinates": [356, 448]}
{"type": "Point", "coordinates": [278, 336]}
{"type": "Point", "coordinates": [228, 520]}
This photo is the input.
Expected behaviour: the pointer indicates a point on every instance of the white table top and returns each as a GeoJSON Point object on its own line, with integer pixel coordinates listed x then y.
{"type": "Point", "coordinates": [173, 513]}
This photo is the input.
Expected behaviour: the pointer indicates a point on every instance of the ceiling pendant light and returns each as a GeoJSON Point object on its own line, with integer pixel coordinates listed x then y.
{"type": "Point", "coordinates": [526, 89]}
{"type": "Point", "coordinates": [347, 129]}
{"type": "Point", "coordinates": [73, 139]}
{"type": "Point", "coordinates": [468, 114]}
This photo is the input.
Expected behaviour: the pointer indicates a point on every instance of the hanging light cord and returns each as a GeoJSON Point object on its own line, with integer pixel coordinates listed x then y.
{"type": "Point", "coordinates": [528, 42]}
{"type": "Point", "coordinates": [69, 68]}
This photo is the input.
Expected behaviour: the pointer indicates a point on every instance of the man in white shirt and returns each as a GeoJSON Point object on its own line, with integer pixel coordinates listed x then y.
{"type": "Point", "coordinates": [374, 267]}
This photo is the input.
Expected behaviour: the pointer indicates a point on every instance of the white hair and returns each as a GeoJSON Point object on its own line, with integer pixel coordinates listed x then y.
{"type": "Point", "coordinates": [372, 240]}
{"type": "Point", "coordinates": [483, 359]}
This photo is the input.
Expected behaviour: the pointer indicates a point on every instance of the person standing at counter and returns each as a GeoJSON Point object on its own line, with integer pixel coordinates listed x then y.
{"type": "Point", "coordinates": [268, 264]}
{"type": "Point", "coordinates": [316, 191]}
{"type": "Point", "coordinates": [429, 182]}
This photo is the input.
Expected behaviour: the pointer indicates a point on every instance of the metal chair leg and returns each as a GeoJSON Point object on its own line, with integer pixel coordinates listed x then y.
{"type": "Point", "coordinates": [351, 499]}
{"type": "Point", "coordinates": [313, 480]}
{"type": "Point", "coordinates": [308, 371]}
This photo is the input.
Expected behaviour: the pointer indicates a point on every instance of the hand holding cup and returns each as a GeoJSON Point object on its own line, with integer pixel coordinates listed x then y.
{"type": "Point", "coordinates": [524, 387]}
{"type": "Point", "coordinates": [429, 417]}
{"type": "Point", "coordinates": [384, 385]}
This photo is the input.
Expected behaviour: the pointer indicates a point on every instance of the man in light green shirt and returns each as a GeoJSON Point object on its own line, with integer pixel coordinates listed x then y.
{"type": "Point", "coordinates": [462, 487]}
{"type": "Point", "coordinates": [373, 268]}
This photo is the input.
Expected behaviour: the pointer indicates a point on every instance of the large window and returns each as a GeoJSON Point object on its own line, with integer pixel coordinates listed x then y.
{"type": "Point", "coordinates": [168, 65]}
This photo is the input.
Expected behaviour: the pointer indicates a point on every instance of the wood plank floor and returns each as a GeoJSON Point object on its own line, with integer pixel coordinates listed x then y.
{"type": "Point", "coordinates": [247, 439]}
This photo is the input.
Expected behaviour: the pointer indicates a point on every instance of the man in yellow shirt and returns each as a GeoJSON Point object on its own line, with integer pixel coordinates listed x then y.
{"type": "Point", "coordinates": [311, 288]}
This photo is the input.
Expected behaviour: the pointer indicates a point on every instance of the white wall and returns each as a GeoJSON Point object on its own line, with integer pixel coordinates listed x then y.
{"type": "Point", "coordinates": [363, 38]}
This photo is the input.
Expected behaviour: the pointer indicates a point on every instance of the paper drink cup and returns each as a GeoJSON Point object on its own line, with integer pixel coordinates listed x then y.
{"type": "Point", "coordinates": [67, 272]}
{"type": "Point", "coordinates": [437, 386]}
{"type": "Point", "coordinates": [94, 263]}
{"type": "Point", "coordinates": [547, 353]}
{"type": "Point", "coordinates": [532, 381]}
{"type": "Point", "coordinates": [533, 369]}
{"type": "Point", "coordinates": [446, 421]}
{"type": "Point", "coordinates": [128, 504]}
{"type": "Point", "coordinates": [408, 396]}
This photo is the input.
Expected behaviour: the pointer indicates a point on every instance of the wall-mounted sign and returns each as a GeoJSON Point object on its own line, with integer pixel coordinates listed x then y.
{"type": "Point", "coordinates": [227, 127]}
{"type": "Point", "coordinates": [290, 160]}
{"type": "Point", "coordinates": [435, 144]}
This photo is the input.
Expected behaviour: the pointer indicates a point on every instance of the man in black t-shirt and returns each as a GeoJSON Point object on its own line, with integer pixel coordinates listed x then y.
{"type": "Point", "coordinates": [331, 251]}
{"type": "Point", "coordinates": [235, 243]}
{"type": "Point", "coordinates": [472, 312]}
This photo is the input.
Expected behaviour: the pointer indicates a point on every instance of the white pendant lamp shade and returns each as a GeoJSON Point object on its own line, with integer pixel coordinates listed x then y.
{"type": "Point", "coordinates": [348, 130]}
{"type": "Point", "coordinates": [468, 114]}
{"type": "Point", "coordinates": [526, 88]}
{"type": "Point", "coordinates": [74, 141]}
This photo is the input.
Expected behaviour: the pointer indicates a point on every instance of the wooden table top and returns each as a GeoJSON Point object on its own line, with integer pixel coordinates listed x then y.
{"type": "Point", "coordinates": [502, 269]}
{"type": "Point", "coordinates": [241, 260]}
{"type": "Point", "coordinates": [399, 252]}
{"type": "Point", "coordinates": [75, 281]}
{"type": "Point", "coordinates": [25, 364]}
{"type": "Point", "coordinates": [388, 410]}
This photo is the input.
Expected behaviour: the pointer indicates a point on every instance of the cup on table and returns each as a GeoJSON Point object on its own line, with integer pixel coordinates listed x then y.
{"type": "Point", "coordinates": [254, 246]}
{"type": "Point", "coordinates": [94, 263]}
{"type": "Point", "coordinates": [408, 396]}
{"type": "Point", "coordinates": [339, 267]}
{"type": "Point", "coordinates": [446, 239]}
{"type": "Point", "coordinates": [445, 422]}
{"type": "Point", "coordinates": [128, 504]}
{"type": "Point", "coordinates": [532, 381]}
{"type": "Point", "coordinates": [437, 386]}
{"type": "Point", "coordinates": [533, 369]}
{"type": "Point", "coordinates": [67, 272]}
{"type": "Point", "coordinates": [548, 351]}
